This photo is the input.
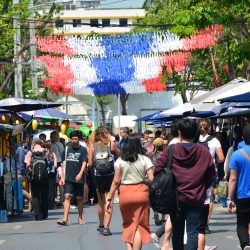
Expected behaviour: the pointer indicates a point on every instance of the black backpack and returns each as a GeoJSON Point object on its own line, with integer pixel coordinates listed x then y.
{"type": "Point", "coordinates": [163, 194]}
{"type": "Point", "coordinates": [103, 160]}
{"type": "Point", "coordinates": [205, 143]}
{"type": "Point", "coordinates": [39, 166]}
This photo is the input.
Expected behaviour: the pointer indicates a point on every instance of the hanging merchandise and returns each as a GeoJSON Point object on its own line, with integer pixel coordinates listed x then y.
{"type": "Point", "coordinates": [118, 64]}
{"type": "Point", "coordinates": [34, 124]}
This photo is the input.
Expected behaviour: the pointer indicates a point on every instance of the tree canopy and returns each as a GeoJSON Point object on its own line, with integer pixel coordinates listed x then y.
{"type": "Point", "coordinates": [211, 67]}
{"type": "Point", "coordinates": [20, 12]}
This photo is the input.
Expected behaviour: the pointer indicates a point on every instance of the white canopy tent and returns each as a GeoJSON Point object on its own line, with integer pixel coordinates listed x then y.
{"type": "Point", "coordinates": [178, 110]}
{"type": "Point", "coordinates": [234, 87]}
{"type": "Point", "coordinates": [209, 100]}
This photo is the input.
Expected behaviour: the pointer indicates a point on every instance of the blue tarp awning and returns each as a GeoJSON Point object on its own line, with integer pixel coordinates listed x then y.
{"type": "Point", "coordinates": [237, 98]}
{"type": "Point", "coordinates": [147, 117]}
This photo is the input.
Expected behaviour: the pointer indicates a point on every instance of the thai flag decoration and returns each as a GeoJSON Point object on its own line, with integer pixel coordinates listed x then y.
{"type": "Point", "coordinates": [112, 64]}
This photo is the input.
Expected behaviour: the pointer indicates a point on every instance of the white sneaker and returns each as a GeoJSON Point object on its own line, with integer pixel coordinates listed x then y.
{"type": "Point", "coordinates": [210, 247]}
{"type": "Point", "coordinates": [154, 238]}
{"type": "Point", "coordinates": [247, 248]}
{"type": "Point", "coordinates": [73, 207]}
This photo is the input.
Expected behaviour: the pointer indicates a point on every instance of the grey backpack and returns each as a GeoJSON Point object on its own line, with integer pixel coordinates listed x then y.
{"type": "Point", "coordinates": [103, 159]}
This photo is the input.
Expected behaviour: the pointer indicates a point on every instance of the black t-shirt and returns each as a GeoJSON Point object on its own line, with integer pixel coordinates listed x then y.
{"type": "Point", "coordinates": [75, 158]}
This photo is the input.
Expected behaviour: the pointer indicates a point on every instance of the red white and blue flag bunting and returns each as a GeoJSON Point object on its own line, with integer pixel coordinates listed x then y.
{"type": "Point", "coordinates": [112, 64]}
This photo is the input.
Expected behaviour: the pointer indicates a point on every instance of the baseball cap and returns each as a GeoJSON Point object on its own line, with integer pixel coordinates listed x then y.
{"type": "Point", "coordinates": [246, 131]}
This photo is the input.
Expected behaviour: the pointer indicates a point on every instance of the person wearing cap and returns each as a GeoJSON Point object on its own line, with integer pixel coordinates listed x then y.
{"type": "Point", "coordinates": [240, 178]}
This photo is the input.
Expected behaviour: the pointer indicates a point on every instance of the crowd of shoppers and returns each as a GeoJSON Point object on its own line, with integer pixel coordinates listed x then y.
{"type": "Point", "coordinates": [121, 167]}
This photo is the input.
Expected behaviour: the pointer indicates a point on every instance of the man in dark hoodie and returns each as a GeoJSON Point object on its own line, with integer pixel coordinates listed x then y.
{"type": "Point", "coordinates": [194, 170]}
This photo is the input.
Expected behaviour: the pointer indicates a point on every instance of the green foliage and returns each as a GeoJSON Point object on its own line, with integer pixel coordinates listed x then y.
{"type": "Point", "coordinates": [36, 94]}
{"type": "Point", "coordinates": [21, 13]}
{"type": "Point", "coordinates": [103, 101]}
{"type": "Point", "coordinates": [185, 17]}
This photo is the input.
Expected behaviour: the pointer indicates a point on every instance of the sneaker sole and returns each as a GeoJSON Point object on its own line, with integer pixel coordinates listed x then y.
{"type": "Point", "coordinates": [210, 247]}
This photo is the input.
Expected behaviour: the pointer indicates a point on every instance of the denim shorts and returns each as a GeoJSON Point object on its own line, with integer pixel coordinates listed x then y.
{"type": "Point", "coordinates": [73, 188]}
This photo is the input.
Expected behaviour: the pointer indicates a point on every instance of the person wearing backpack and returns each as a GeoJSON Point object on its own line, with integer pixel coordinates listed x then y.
{"type": "Point", "coordinates": [194, 171]}
{"type": "Point", "coordinates": [38, 169]}
{"type": "Point", "coordinates": [73, 168]}
{"type": "Point", "coordinates": [215, 149]}
{"type": "Point", "coordinates": [101, 159]}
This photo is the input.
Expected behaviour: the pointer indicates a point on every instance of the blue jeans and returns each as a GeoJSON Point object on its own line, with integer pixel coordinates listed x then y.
{"type": "Point", "coordinates": [193, 217]}
{"type": "Point", "coordinates": [18, 195]}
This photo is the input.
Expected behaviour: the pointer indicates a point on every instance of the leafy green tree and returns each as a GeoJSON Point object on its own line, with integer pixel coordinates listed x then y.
{"type": "Point", "coordinates": [213, 66]}
{"type": "Point", "coordinates": [22, 13]}
{"type": "Point", "coordinates": [103, 101]}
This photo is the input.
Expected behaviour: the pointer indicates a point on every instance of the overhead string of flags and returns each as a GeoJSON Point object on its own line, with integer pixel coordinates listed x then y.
{"type": "Point", "coordinates": [113, 64]}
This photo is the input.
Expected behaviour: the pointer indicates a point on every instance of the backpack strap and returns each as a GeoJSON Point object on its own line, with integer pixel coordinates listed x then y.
{"type": "Point", "coordinates": [96, 145]}
{"type": "Point", "coordinates": [245, 154]}
{"type": "Point", "coordinates": [169, 167]}
{"type": "Point", "coordinates": [58, 149]}
{"type": "Point", "coordinates": [170, 156]}
{"type": "Point", "coordinates": [209, 138]}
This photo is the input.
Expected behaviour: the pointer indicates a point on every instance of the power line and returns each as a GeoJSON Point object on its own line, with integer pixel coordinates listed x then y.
{"type": "Point", "coordinates": [86, 24]}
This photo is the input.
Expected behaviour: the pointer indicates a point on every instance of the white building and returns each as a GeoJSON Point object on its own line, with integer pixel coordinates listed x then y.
{"type": "Point", "coordinates": [101, 21]}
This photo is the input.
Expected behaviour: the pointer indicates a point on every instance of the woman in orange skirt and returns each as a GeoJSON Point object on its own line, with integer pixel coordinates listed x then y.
{"type": "Point", "coordinates": [131, 170]}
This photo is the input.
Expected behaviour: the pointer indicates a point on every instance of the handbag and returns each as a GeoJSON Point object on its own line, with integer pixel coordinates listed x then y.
{"type": "Point", "coordinates": [222, 189]}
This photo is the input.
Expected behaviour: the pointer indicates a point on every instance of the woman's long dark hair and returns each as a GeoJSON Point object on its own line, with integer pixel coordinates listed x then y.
{"type": "Point", "coordinates": [132, 148]}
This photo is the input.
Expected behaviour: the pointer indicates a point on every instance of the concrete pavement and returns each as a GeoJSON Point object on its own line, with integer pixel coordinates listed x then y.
{"type": "Point", "coordinates": [25, 234]}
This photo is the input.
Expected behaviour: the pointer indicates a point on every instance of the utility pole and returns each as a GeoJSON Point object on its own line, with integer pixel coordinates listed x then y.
{"type": "Point", "coordinates": [93, 112]}
{"type": "Point", "coordinates": [17, 57]}
{"type": "Point", "coordinates": [33, 46]}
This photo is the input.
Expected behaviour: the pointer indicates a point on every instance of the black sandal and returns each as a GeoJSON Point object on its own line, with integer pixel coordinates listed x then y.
{"type": "Point", "coordinates": [62, 223]}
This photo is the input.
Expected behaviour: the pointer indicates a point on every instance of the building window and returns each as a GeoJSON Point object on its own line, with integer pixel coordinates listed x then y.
{"type": "Point", "coordinates": [76, 22]}
{"type": "Point", "coordinates": [73, 6]}
{"type": "Point", "coordinates": [123, 22]}
{"type": "Point", "coordinates": [94, 22]}
{"type": "Point", "coordinates": [105, 22]}
{"type": "Point", "coordinates": [59, 23]}
{"type": "Point", "coordinates": [67, 7]}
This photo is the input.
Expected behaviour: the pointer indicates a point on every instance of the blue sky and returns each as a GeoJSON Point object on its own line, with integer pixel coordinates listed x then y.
{"type": "Point", "coordinates": [121, 3]}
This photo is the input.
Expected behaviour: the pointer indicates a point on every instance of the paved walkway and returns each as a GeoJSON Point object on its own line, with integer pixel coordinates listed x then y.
{"type": "Point", "coordinates": [25, 234]}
